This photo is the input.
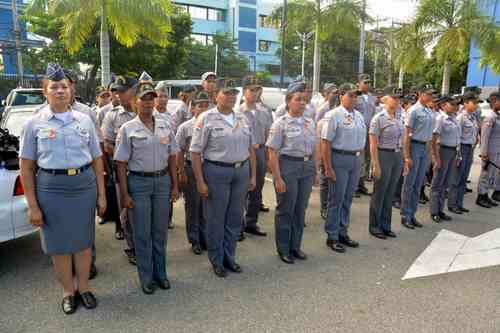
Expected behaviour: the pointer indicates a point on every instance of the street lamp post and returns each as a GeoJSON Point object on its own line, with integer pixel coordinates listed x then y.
{"type": "Point", "coordinates": [283, 38]}
{"type": "Point", "coordinates": [304, 37]}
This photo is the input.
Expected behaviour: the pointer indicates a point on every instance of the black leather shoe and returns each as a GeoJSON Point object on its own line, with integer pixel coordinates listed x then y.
{"type": "Point", "coordinates": [335, 246]}
{"type": "Point", "coordinates": [69, 304]}
{"type": "Point", "coordinates": [242, 237]}
{"type": "Point", "coordinates": [416, 223]}
{"type": "Point", "coordinates": [255, 231]}
{"type": "Point", "coordinates": [88, 299]}
{"type": "Point", "coordinates": [481, 201]}
{"type": "Point", "coordinates": [299, 255]}
{"type": "Point", "coordinates": [363, 190]}
{"type": "Point", "coordinates": [287, 259]}
{"type": "Point", "coordinates": [455, 210]}
{"type": "Point", "coordinates": [396, 204]}
{"type": "Point", "coordinates": [496, 196]}
{"type": "Point", "coordinates": [468, 190]}
{"type": "Point", "coordinates": [389, 233]}
{"type": "Point", "coordinates": [235, 268]}
{"type": "Point", "coordinates": [163, 284]}
{"type": "Point", "coordinates": [464, 210]}
{"type": "Point", "coordinates": [378, 234]}
{"type": "Point", "coordinates": [436, 218]}
{"type": "Point", "coordinates": [220, 271]}
{"type": "Point", "coordinates": [196, 248]}
{"type": "Point", "coordinates": [348, 241]}
{"type": "Point", "coordinates": [444, 217]}
{"type": "Point", "coordinates": [491, 202]}
{"type": "Point", "coordinates": [131, 256]}
{"type": "Point", "coordinates": [171, 225]}
{"type": "Point", "coordinates": [119, 235]}
{"type": "Point", "coordinates": [407, 223]}
{"type": "Point", "coordinates": [93, 272]}
{"type": "Point", "coordinates": [148, 289]}
{"type": "Point", "coordinates": [264, 208]}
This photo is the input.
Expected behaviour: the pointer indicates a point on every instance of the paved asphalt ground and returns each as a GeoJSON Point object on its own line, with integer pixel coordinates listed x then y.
{"type": "Point", "coordinates": [360, 291]}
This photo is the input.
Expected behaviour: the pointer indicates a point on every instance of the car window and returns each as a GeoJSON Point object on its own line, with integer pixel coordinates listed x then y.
{"type": "Point", "coordinates": [28, 98]}
{"type": "Point", "coordinates": [15, 122]}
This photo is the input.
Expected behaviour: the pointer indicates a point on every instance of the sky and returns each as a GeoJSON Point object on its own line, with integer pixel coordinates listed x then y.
{"type": "Point", "coordinates": [400, 10]}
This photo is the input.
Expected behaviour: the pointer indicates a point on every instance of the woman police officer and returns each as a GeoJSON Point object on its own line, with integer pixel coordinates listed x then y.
{"type": "Point", "coordinates": [63, 145]}
{"type": "Point", "coordinates": [386, 134]}
{"type": "Point", "coordinates": [291, 146]}
{"type": "Point", "coordinates": [146, 147]}
{"type": "Point", "coordinates": [225, 140]}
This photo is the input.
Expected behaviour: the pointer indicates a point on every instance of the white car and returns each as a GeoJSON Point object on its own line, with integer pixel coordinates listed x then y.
{"type": "Point", "coordinates": [13, 206]}
{"type": "Point", "coordinates": [272, 97]}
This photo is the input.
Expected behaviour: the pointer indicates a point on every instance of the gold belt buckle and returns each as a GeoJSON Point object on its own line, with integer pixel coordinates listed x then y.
{"type": "Point", "coordinates": [237, 165]}
{"type": "Point", "coordinates": [306, 158]}
{"type": "Point", "coordinates": [72, 172]}
{"type": "Point", "coordinates": [358, 153]}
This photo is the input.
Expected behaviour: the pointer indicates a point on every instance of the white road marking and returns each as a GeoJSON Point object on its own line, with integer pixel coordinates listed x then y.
{"type": "Point", "coordinates": [453, 252]}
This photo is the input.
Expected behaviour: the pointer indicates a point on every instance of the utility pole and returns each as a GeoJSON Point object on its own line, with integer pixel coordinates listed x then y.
{"type": "Point", "coordinates": [216, 57]}
{"type": "Point", "coordinates": [376, 55]}
{"type": "Point", "coordinates": [17, 34]}
{"type": "Point", "coordinates": [391, 51]}
{"type": "Point", "coordinates": [304, 37]}
{"type": "Point", "coordinates": [283, 39]}
{"type": "Point", "coordinates": [361, 64]}
{"type": "Point", "coordinates": [317, 50]}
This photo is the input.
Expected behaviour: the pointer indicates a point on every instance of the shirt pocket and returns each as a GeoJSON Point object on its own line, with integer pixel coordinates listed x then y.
{"type": "Point", "coordinates": [77, 138]}
{"type": "Point", "coordinates": [44, 139]}
{"type": "Point", "coordinates": [218, 132]}
{"type": "Point", "coordinates": [293, 132]}
{"type": "Point", "coordinates": [139, 141]}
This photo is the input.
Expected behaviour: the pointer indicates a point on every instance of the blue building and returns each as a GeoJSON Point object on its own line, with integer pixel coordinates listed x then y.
{"type": "Point", "coordinates": [248, 21]}
{"type": "Point", "coordinates": [479, 76]}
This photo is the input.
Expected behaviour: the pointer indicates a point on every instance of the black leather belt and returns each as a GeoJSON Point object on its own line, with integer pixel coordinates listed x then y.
{"type": "Point", "coordinates": [346, 152]}
{"type": "Point", "coordinates": [227, 165]}
{"type": "Point", "coordinates": [297, 159]}
{"type": "Point", "coordinates": [466, 144]}
{"type": "Point", "coordinates": [67, 172]}
{"type": "Point", "coordinates": [149, 174]}
{"type": "Point", "coordinates": [187, 162]}
{"type": "Point", "coordinates": [448, 147]}
{"type": "Point", "coordinates": [396, 150]}
{"type": "Point", "coordinates": [418, 142]}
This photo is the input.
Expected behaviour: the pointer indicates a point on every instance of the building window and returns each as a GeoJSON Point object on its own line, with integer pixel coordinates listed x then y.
{"type": "Point", "coordinates": [197, 12]}
{"type": "Point", "coordinates": [204, 13]}
{"type": "Point", "coordinates": [215, 15]}
{"type": "Point", "coordinates": [264, 45]}
{"type": "Point", "coordinates": [202, 39]}
{"type": "Point", "coordinates": [266, 21]}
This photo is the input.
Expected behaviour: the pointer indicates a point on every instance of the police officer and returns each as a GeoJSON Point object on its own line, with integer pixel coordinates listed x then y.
{"type": "Point", "coordinates": [262, 122]}
{"type": "Point", "coordinates": [469, 129]}
{"type": "Point", "coordinates": [195, 221]}
{"type": "Point", "coordinates": [103, 97]}
{"type": "Point", "coordinates": [103, 110]}
{"type": "Point", "coordinates": [209, 85]}
{"type": "Point", "coordinates": [490, 152]}
{"type": "Point", "coordinates": [366, 104]}
{"type": "Point", "coordinates": [343, 137]}
{"type": "Point", "coordinates": [445, 146]}
{"type": "Point", "coordinates": [182, 112]}
{"type": "Point", "coordinates": [331, 101]}
{"type": "Point", "coordinates": [62, 173]}
{"type": "Point", "coordinates": [386, 134]}
{"type": "Point", "coordinates": [309, 111]}
{"type": "Point", "coordinates": [111, 124]}
{"type": "Point", "coordinates": [224, 139]}
{"type": "Point", "coordinates": [291, 144]}
{"type": "Point", "coordinates": [418, 133]}
{"type": "Point", "coordinates": [146, 147]}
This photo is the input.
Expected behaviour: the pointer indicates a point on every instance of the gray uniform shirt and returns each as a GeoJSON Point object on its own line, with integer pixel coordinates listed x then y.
{"type": "Point", "coordinates": [366, 105]}
{"type": "Point", "coordinates": [389, 131]}
{"type": "Point", "coordinates": [101, 113]}
{"type": "Point", "coordinates": [345, 130]}
{"type": "Point", "coordinates": [145, 151]}
{"type": "Point", "coordinates": [448, 129]}
{"type": "Point", "coordinates": [262, 122]}
{"type": "Point", "coordinates": [113, 121]}
{"type": "Point", "coordinates": [169, 118]}
{"type": "Point", "coordinates": [322, 110]}
{"type": "Point", "coordinates": [218, 140]}
{"type": "Point", "coordinates": [182, 114]}
{"type": "Point", "coordinates": [184, 135]}
{"type": "Point", "coordinates": [469, 128]}
{"type": "Point", "coordinates": [309, 111]}
{"type": "Point", "coordinates": [490, 134]}
{"type": "Point", "coordinates": [293, 136]}
{"type": "Point", "coordinates": [249, 114]}
{"type": "Point", "coordinates": [58, 145]}
{"type": "Point", "coordinates": [419, 119]}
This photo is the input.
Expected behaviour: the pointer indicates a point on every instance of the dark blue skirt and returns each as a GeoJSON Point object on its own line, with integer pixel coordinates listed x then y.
{"type": "Point", "coordinates": [68, 205]}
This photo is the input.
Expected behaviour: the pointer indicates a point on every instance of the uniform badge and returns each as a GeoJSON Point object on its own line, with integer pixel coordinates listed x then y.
{"type": "Point", "coordinates": [163, 140]}
{"type": "Point", "coordinates": [52, 133]}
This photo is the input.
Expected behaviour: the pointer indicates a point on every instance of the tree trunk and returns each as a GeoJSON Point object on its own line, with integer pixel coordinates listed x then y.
{"type": "Point", "coordinates": [105, 62]}
{"type": "Point", "coordinates": [446, 78]}
{"type": "Point", "coordinates": [401, 77]}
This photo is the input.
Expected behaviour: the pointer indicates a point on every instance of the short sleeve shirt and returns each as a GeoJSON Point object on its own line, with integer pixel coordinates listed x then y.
{"type": "Point", "coordinates": [54, 144]}
{"type": "Point", "coordinates": [184, 135]}
{"type": "Point", "coordinates": [419, 119]}
{"type": "Point", "coordinates": [113, 121]}
{"type": "Point", "coordinates": [448, 129]}
{"type": "Point", "coordinates": [293, 136]}
{"type": "Point", "coordinates": [144, 150]}
{"type": "Point", "coordinates": [345, 130]}
{"type": "Point", "coordinates": [469, 128]}
{"type": "Point", "coordinates": [182, 114]}
{"type": "Point", "coordinates": [389, 130]}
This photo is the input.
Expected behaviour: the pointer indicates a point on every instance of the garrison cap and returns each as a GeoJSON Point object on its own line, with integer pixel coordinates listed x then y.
{"type": "Point", "coordinates": [470, 96]}
{"type": "Point", "coordinates": [364, 78]}
{"type": "Point", "coordinates": [295, 87]}
{"type": "Point", "coordinates": [70, 75]}
{"type": "Point", "coordinates": [426, 88]}
{"type": "Point", "coordinates": [143, 88]}
{"type": "Point", "coordinates": [250, 81]}
{"type": "Point", "coordinates": [162, 85]}
{"type": "Point", "coordinates": [229, 86]}
{"type": "Point", "coordinates": [206, 75]}
{"type": "Point", "coordinates": [348, 87]}
{"type": "Point", "coordinates": [329, 87]}
{"type": "Point", "coordinates": [393, 92]}
{"type": "Point", "coordinates": [123, 83]}
{"type": "Point", "coordinates": [54, 72]}
{"type": "Point", "coordinates": [145, 77]}
{"type": "Point", "coordinates": [447, 99]}
{"type": "Point", "coordinates": [200, 97]}
{"type": "Point", "coordinates": [474, 89]}
{"type": "Point", "coordinates": [101, 90]}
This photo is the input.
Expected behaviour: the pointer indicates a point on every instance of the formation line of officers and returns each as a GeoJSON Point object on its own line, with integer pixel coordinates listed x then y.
{"type": "Point", "coordinates": [129, 159]}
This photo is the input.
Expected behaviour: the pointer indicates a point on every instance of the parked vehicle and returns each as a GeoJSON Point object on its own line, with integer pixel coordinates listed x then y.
{"type": "Point", "coordinates": [13, 206]}
{"type": "Point", "coordinates": [21, 97]}
{"type": "Point", "coordinates": [272, 97]}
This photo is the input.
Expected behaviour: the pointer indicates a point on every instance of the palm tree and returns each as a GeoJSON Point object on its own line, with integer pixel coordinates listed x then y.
{"type": "Point", "coordinates": [451, 25]}
{"type": "Point", "coordinates": [127, 20]}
